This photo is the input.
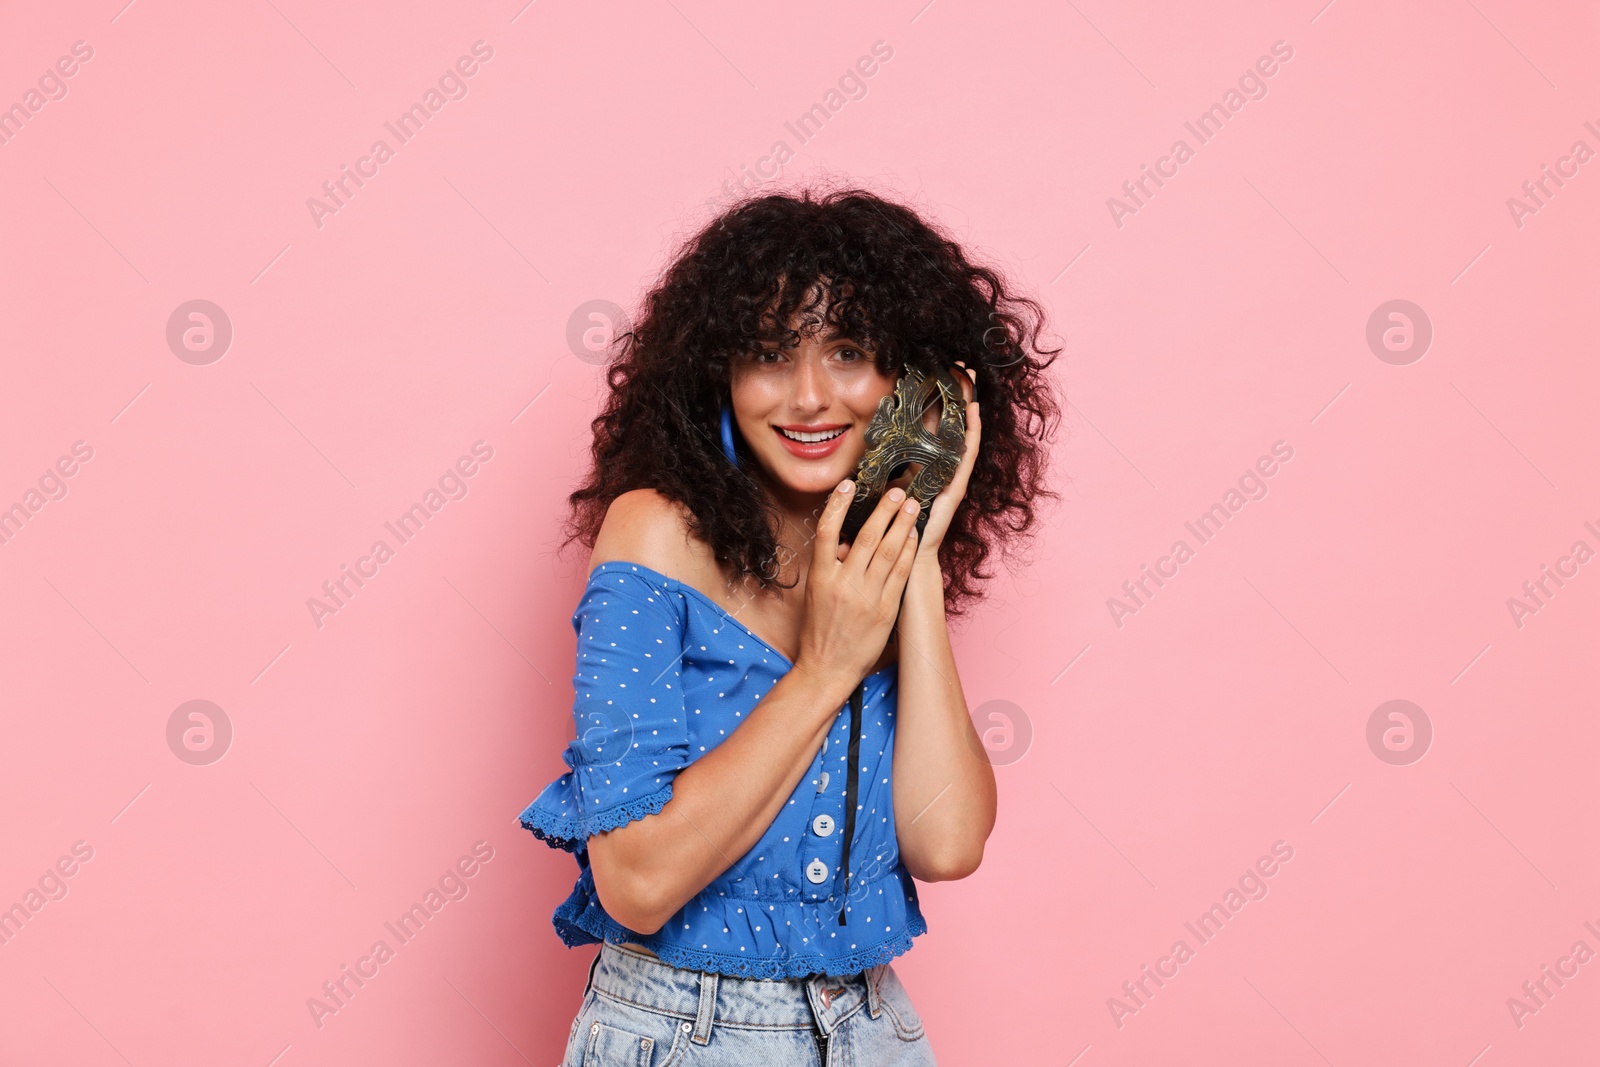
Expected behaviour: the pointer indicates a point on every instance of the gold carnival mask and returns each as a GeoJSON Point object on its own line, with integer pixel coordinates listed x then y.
{"type": "Point", "coordinates": [897, 438]}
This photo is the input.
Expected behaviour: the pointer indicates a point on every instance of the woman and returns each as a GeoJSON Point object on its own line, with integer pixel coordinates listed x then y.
{"type": "Point", "coordinates": [747, 802]}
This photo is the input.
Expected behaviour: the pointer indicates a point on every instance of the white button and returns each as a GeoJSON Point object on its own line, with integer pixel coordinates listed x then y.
{"type": "Point", "coordinates": [822, 826]}
{"type": "Point", "coordinates": [822, 784]}
{"type": "Point", "coordinates": [816, 872]}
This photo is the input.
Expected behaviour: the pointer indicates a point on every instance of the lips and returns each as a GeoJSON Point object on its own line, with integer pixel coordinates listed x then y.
{"type": "Point", "coordinates": [812, 449]}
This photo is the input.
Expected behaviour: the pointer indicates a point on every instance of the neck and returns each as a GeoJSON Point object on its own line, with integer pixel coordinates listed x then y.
{"type": "Point", "coordinates": [799, 512]}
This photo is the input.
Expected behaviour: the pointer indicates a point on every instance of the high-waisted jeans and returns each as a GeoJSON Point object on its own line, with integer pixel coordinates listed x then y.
{"type": "Point", "coordinates": [642, 1012]}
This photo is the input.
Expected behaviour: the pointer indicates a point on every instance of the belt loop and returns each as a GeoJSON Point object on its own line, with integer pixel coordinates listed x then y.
{"type": "Point", "coordinates": [874, 1006]}
{"type": "Point", "coordinates": [596, 963]}
{"type": "Point", "coordinates": [708, 1005]}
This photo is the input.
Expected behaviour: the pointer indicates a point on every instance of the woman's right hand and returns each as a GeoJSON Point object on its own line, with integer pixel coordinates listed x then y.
{"type": "Point", "coordinates": [851, 603]}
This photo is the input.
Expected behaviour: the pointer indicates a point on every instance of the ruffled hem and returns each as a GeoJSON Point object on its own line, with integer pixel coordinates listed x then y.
{"type": "Point", "coordinates": [571, 833]}
{"type": "Point", "coordinates": [579, 924]}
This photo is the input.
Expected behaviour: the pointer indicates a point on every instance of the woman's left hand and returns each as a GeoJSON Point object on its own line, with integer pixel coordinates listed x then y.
{"type": "Point", "coordinates": [944, 504]}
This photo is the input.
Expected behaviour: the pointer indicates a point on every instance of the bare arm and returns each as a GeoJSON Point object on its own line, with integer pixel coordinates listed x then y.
{"type": "Point", "coordinates": [721, 805]}
{"type": "Point", "coordinates": [944, 791]}
{"type": "Point", "coordinates": [725, 800]}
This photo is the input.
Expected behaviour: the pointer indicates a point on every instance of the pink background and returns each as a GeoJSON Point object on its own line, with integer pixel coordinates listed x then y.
{"type": "Point", "coordinates": [431, 312]}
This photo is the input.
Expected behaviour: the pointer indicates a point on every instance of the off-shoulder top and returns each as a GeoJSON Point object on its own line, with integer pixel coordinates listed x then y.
{"type": "Point", "coordinates": [663, 676]}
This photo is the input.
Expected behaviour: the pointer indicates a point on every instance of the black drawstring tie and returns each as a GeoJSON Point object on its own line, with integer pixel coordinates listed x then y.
{"type": "Point", "coordinates": [852, 780]}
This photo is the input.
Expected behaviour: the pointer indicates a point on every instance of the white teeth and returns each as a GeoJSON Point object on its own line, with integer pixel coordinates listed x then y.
{"type": "Point", "coordinates": [810, 438]}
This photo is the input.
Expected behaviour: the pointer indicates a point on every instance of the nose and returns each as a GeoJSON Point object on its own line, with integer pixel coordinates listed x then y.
{"type": "Point", "coordinates": [811, 390]}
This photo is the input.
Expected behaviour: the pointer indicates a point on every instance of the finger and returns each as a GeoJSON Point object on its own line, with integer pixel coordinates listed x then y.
{"type": "Point", "coordinates": [942, 508]}
{"type": "Point", "coordinates": [969, 454]}
{"type": "Point", "coordinates": [888, 553]}
{"type": "Point", "coordinates": [969, 381]}
{"type": "Point", "coordinates": [827, 541]}
{"type": "Point", "coordinates": [969, 458]}
{"type": "Point", "coordinates": [969, 393]}
{"type": "Point", "coordinates": [871, 532]}
{"type": "Point", "coordinates": [895, 587]}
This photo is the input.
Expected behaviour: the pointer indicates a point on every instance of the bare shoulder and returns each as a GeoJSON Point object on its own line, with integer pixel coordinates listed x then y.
{"type": "Point", "coordinates": [646, 527]}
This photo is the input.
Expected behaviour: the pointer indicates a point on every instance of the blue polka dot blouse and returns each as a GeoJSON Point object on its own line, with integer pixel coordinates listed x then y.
{"type": "Point", "coordinates": [663, 675]}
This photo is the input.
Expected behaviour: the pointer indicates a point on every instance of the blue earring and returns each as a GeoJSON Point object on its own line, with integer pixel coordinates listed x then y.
{"type": "Point", "coordinates": [727, 434]}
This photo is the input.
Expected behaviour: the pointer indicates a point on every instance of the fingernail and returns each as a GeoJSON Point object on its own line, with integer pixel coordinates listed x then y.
{"type": "Point", "coordinates": [847, 486]}
{"type": "Point", "coordinates": [897, 493]}
{"type": "Point", "coordinates": [913, 506]}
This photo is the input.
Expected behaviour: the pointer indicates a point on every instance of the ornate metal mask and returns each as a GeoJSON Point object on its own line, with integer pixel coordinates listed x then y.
{"type": "Point", "coordinates": [896, 438]}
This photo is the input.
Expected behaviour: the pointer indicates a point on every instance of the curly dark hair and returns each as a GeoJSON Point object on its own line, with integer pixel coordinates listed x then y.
{"type": "Point", "coordinates": [890, 282]}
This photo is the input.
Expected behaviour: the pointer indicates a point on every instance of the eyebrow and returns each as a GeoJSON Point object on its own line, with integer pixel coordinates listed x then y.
{"type": "Point", "coordinates": [835, 334]}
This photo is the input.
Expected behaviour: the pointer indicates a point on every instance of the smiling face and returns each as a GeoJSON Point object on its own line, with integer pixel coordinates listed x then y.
{"type": "Point", "coordinates": [804, 411]}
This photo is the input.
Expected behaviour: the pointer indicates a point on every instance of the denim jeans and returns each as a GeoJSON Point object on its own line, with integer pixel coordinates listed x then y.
{"type": "Point", "coordinates": [642, 1012]}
